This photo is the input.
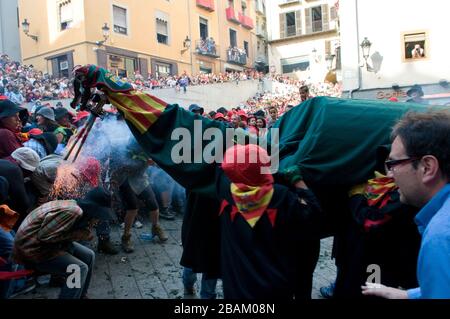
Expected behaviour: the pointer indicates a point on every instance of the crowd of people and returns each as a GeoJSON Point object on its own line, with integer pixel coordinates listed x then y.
{"type": "Point", "coordinates": [23, 83]}
{"type": "Point", "coordinates": [50, 205]}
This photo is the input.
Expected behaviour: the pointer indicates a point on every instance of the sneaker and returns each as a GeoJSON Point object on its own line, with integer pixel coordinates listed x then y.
{"type": "Point", "coordinates": [137, 224]}
{"type": "Point", "coordinates": [328, 291]}
{"type": "Point", "coordinates": [159, 232]}
{"type": "Point", "coordinates": [127, 244]}
{"type": "Point", "coordinates": [165, 213]}
{"type": "Point", "coordinates": [29, 286]}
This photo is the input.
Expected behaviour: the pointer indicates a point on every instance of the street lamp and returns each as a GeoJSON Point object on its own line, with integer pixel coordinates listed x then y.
{"type": "Point", "coordinates": [105, 31]}
{"type": "Point", "coordinates": [26, 30]}
{"type": "Point", "coordinates": [186, 44]}
{"type": "Point", "coordinates": [365, 46]}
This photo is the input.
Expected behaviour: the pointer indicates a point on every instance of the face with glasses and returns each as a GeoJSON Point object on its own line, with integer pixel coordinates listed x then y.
{"type": "Point", "coordinates": [406, 173]}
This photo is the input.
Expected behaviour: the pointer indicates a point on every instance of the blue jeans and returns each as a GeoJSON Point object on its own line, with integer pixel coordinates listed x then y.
{"type": "Point", "coordinates": [78, 255]}
{"type": "Point", "coordinates": [6, 246]}
{"type": "Point", "coordinates": [208, 286]}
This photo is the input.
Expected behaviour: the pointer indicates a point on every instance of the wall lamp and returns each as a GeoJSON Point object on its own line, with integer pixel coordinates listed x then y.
{"type": "Point", "coordinates": [26, 30]}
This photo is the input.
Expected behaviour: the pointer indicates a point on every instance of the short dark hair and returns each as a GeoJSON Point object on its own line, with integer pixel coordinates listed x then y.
{"type": "Point", "coordinates": [304, 88]}
{"type": "Point", "coordinates": [426, 134]}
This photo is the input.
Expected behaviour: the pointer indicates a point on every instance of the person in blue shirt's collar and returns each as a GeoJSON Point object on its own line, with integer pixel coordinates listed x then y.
{"type": "Point", "coordinates": [420, 164]}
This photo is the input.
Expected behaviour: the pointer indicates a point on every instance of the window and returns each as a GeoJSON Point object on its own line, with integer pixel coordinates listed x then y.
{"type": "Point", "coordinates": [203, 28]}
{"type": "Point", "coordinates": [246, 47]}
{"type": "Point", "coordinates": [415, 46]}
{"type": "Point", "coordinates": [120, 20]}
{"type": "Point", "coordinates": [316, 13]}
{"type": "Point", "coordinates": [243, 6]}
{"type": "Point", "coordinates": [233, 39]}
{"type": "Point", "coordinates": [163, 69]}
{"type": "Point", "coordinates": [290, 24]}
{"type": "Point", "coordinates": [162, 31]}
{"type": "Point", "coordinates": [65, 11]}
{"type": "Point", "coordinates": [205, 70]}
{"type": "Point", "coordinates": [295, 64]}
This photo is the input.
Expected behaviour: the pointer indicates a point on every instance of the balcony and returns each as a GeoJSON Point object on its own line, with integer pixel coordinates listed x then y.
{"type": "Point", "coordinates": [231, 16]}
{"type": "Point", "coordinates": [237, 56]}
{"type": "Point", "coordinates": [261, 32]}
{"type": "Point", "coordinates": [246, 22]}
{"type": "Point", "coordinates": [207, 47]}
{"type": "Point", "coordinates": [206, 4]}
{"type": "Point", "coordinates": [260, 8]}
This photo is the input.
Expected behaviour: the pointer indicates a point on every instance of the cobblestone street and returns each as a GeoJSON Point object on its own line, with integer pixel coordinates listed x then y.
{"type": "Point", "coordinates": [153, 270]}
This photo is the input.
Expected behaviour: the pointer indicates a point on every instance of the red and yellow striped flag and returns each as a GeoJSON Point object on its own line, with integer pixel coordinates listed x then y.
{"type": "Point", "coordinates": [140, 109]}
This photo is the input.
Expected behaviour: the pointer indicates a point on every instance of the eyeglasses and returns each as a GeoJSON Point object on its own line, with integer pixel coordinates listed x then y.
{"type": "Point", "coordinates": [392, 163]}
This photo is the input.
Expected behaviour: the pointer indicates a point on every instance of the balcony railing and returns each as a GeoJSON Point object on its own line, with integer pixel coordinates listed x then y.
{"type": "Point", "coordinates": [231, 16]}
{"type": "Point", "coordinates": [207, 47]}
{"type": "Point", "coordinates": [237, 56]}
{"type": "Point", "coordinates": [261, 32]}
{"type": "Point", "coordinates": [317, 26]}
{"type": "Point", "coordinates": [246, 22]}
{"type": "Point", "coordinates": [206, 4]}
{"type": "Point", "coordinates": [291, 31]}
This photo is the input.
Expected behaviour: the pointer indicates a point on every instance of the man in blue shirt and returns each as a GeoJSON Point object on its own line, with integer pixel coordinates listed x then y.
{"type": "Point", "coordinates": [420, 164]}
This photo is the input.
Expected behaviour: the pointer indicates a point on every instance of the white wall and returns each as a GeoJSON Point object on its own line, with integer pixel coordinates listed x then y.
{"type": "Point", "coordinates": [9, 31]}
{"type": "Point", "coordinates": [383, 23]}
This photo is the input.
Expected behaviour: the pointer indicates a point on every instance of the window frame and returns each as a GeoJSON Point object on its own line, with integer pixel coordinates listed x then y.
{"type": "Point", "coordinates": [127, 20]}
{"type": "Point", "coordinates": [426, 46]}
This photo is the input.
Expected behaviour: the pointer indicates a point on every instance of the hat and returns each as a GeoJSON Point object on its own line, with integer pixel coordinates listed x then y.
{"type": "Point", "coordinates": [219, 116]}
{"type": "Point", "coordinates": [90, 169]}
{"type": "Point", "coordinates": [96, 204]}
{"type": "Point", "coordinates": [61, 113]}
{"type": "Point", "coordinates": [245, 168]}
{"type": "Point", "coordinates": [81, 115]}
{"type": "Point", "coordinates": [8, 108]}
{"type": "Point", "coordinates": [47, 112]}
{"type": "Point", "coordinates": [27, 158]}
{"type": "Point", "coordinates": [415, 88]}
{"type": "Point", "coordinates": [49, 139]}
{"type": "Point", "coordinates": [195, 108]}
{"type": "Point", "coordinates": [4, 189]}
{"type": "Point", "coordinates": [243, 114]}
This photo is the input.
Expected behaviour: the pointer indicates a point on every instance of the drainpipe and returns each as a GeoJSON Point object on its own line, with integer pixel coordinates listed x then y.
{"type": "Point", "coordinates": [350, 94]}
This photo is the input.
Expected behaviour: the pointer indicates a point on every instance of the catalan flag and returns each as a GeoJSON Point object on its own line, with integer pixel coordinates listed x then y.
{"type": "Point", "coordinates": [140, 109]}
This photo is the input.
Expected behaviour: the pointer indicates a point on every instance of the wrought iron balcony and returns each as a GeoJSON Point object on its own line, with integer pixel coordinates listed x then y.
{"type": "Point", "coordinates": [237, 56]}
{"type": "Point", "coordinates": [207, 47]}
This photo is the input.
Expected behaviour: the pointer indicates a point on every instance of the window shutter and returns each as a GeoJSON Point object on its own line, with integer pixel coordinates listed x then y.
{"type": "Point", "coordinates": [327, 47]}
{"type": "Point", "coordinates": [298, 22]}
{"type": "Point", "coordinates": [143, 67]}
{"type": "Point", "coordinates": [65, 11]}
{"type": "Point", "coordinates": [308, 20]}
{"type": "Point", "coordinates": [333, 13]}
{"type": "Point", "coordinates": [325, 18]}
{"type": "Point", "coordinates": [161, 27]}
{"type": "Point", "coordinates": [282, 25]}
{"type": "Point", "coordinates": [120, 17]}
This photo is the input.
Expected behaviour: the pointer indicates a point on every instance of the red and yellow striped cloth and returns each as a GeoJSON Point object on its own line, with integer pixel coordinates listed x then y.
{"type": "Point", "coordinates": [140, 109]}
{"type": "Point", "coordinates": [251, 202]}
